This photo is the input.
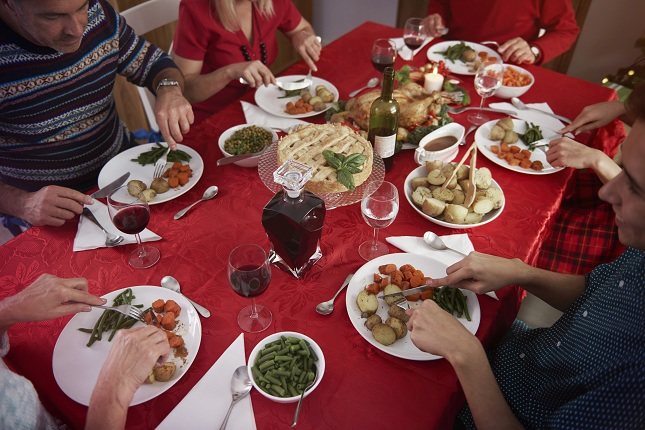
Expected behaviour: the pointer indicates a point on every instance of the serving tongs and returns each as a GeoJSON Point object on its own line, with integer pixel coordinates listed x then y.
{"type": "Point", "coordinates": [470, 192]}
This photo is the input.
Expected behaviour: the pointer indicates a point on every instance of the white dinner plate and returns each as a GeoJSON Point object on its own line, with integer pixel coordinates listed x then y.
{"type": "Point", "coordinates": [268, 98]}
{"type": "Point", "coordinates": [403, 348]}
{"type": "Point", "coordinates": [123, 163]}
{"type": "Point", "coordinates": [421, 171]}
{"type": "Point", "coordinates": [519, 125]}
{"type": "Point", "coordinates": [76, 367]}
{"type": "Point", "coordinates": [459, 67]}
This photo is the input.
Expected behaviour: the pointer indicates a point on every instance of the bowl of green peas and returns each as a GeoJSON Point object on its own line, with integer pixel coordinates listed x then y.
{"type": "Point", "coordinates": [285, 364]}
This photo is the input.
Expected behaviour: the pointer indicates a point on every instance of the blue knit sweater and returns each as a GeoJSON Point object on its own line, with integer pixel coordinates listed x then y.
{"type": "Point", "coordinates": [58, 122]}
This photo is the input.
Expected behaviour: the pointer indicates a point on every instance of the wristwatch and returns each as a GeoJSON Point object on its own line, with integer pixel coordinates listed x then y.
{"type": "Point", "coordinates": [536, 52]}
{"type": "Point", "coordinates": [165, 82]}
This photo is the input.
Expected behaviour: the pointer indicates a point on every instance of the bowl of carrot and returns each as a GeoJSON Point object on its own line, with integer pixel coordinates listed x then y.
{"type": "Point", "coordinates": [515, 83]}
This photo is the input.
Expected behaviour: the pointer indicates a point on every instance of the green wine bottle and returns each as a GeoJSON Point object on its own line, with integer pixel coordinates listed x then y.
{"type": "Point", "coordinates": [384, 120]}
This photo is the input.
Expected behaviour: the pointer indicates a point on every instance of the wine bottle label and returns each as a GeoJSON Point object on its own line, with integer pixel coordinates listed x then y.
{"type": "Point", "coordinates": [384, 145]}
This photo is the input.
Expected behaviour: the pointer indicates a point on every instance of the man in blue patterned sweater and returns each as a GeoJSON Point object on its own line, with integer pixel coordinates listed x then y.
{"type": "Point", "coordinates": [587, 371]}
{"type": "Point", "coordinates": [58, 122]}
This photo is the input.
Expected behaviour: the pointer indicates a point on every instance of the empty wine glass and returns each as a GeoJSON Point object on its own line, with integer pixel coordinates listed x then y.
{"type": "Point", "coordinates": [487, 80]}
{"type": "Point", "coordinates": [379, 207]}
{"type": "Point", "coordinates": [249, 273]}
{"type": "Point", "coordinates": [383, 54]}
{"type": "Point", "coordinates": [414, 34]}
{"type": "Point", "coordinates": [131, 215]}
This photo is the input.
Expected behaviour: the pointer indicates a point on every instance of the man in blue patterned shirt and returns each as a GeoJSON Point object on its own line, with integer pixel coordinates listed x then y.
{"type": "Point", "coordinates": [587, 371]}
{"type": "Point", "coordinates": [58, 122]}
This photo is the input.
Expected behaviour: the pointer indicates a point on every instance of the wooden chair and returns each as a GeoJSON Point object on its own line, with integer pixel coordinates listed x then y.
{"type": "Point", "coordinates": [143, 18]}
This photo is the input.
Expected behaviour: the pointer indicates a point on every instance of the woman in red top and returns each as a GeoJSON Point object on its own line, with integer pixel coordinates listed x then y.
{"type": "Point", "coordinates": [514, 24]}
{"type": "Point", "coordinates": [219, 41]}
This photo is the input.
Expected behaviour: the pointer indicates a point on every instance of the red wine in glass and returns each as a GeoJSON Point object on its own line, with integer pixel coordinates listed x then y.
{"type": "Point", "coordinates": [413, 42]}
{"type": "Point", "coordinates": [383, 54]}
{"type": "Point", "coordinates": [131, 215]}
{"type": "Point", "coordinates": [381, 62]}
{"type": "Point", "coordinates": [249, 273]}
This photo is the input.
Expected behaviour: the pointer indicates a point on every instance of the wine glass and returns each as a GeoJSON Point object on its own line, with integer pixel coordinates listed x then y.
{"type": "Point", "coordinates": [414, 34]}
{"type": "Point", "coordinates": [487, 80]}
{"type": "Point", "coordinates": [383, 54]}
{"type": "Point", "coordinates": [131, 216]}
{"type": "Point", "coordinates": [379, 207]}
{"type": "Point", "coordinates": [249, 273]}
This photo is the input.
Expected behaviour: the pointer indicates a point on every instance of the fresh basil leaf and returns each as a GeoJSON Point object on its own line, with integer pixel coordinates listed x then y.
{"type": "Point", "coordinates": [345, 178]}
{"type": "Point", "coordinates": [332, 159]}
{"type": "Point", "coordinates": [354, 169]}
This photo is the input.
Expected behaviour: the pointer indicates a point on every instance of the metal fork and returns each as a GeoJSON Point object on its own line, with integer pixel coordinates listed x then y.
{"type": "Point", "coordinates": [458, 110]}
{"type": "Point", "coordinates": [160, 164]}
{"type": "Point", "coordinates": [127, 310]}
{"type": "Point", "coordinates": [490, 42]}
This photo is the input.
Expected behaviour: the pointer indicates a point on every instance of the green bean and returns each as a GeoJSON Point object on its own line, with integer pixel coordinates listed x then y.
{"type": "Point", "coordinates": [269, 350]}
{"type": "Point", "coordinates": [112, 321]}
{"type": "Point", "coordinates": [85, 330]}
{"type": "Point", "coordinates": [266, 365]}
{"type": "Point", "coordinates": [267, 357]}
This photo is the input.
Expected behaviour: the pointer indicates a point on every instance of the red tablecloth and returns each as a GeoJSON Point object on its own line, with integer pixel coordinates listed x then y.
{"type": "Point", "coordinates": [362, 387]}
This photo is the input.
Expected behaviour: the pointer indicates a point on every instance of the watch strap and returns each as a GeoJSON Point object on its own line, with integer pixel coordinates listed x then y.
{"type": "Point", "coordinates": [165, 82]}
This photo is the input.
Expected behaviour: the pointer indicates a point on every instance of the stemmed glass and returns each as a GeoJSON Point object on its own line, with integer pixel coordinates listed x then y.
{"type": "Point", "coordinates": [414, 34]}
{"type": "Point", "coordinates": [379, 207]}
{"type": "Point", "coordinates": [383, 54]}
{"type": "Point", "coordinates": [487, 80]}
{"type": "Point", "coordinates": [249, 273]}
{"type": "Point", "coordinates": [131, 217]}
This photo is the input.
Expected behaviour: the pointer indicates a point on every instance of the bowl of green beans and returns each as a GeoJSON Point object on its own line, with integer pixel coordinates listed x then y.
{"type": "Point", "coordinates": [285, 364]}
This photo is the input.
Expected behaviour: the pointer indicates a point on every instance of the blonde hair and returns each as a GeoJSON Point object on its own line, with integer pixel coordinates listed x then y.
{"type": "Point", "coordinates": [225, 10]}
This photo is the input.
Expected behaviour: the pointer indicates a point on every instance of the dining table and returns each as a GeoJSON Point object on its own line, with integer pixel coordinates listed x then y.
{"type": "Point", "coordinates": [363, 387]}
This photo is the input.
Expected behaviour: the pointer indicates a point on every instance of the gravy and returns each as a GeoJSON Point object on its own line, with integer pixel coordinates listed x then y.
{"type": "Point", "coordinates": [440, 143]}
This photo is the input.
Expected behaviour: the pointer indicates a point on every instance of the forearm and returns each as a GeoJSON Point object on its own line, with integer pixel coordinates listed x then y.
{"type": "Point", "coordinates": [7, 318]}
{"type": "Point", "coordinates": [12, 200]}
{"type": "Point", "coordinates": [557, 289]}
{"type": "Point", "coordinates": [202, 87]}
{"type": "Point", "coordinates": [171, 73]}
{"type": "Point", "coordinates": [605, 168]}
{"type": "Point", "coordinates": [108, 407]}
{"type": "Point", "coordinates": [485, 399]}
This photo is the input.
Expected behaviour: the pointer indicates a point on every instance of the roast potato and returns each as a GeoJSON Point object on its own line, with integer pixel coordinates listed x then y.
{"type": "Point", "coordinates": [421, 181]}
{"type": "Point", "coordinates": [435, 177]}
{"type": "Point", "coordinates": [398, 312]}
{"type": "Point", "coordinates": [367, 303]}
{"type": "Point", "coordinates": [135, 187]}
{"type": "Point", "coordinates": [400, 329]}
{"type": "Point", "coordinates": [420, 194]}
{"type": "Point", "coordinates": [496, 133]}
{"type": "Point", "coordinates": [163, 372]}
{"type": "Point", "coordinates": [455, 214]}
{"type": "Point", "coordinates": [147, 195]}
{"type": "Point", "coordinates": [384, 334]}
{"type": "Point", "coordinates": [505, 123]}
{"type": "Point", "coordinates": [433, 207]}
{"type": "Point", "coordinates": [392, 289]}
{"type": "Point", "coordinates": [160, 185]}
{"type": "Point", "coordinates": [372, 320]}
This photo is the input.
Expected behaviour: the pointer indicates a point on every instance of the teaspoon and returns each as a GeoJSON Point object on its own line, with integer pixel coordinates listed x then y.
{"type": "Point", "coordinates": [111, 239]}
{"type": "Point", "coordinates": [172, 284]}
{"type": "Point", "coordinates": [208, 194]}
{"type": "Point", "coordinates": [370, 84]}
{"type": "Point", "coordinates": [437, 243]}
{"type": "Point", "coordinates": [240, 388]}
{"type": "Point", "coordinates": [325, 308]}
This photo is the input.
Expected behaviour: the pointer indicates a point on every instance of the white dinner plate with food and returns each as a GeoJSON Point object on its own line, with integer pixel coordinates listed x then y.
{"type": "Point", "coordinates": [421, 171]}
{"type": "Point", "coordinates": [270, 98]}
{"type": "Point", "coordinates": [460, 67]}
{"type": "Point", "coordinates": [484, 144]}
{"type": "Point", "coordinates": [403, 348]}
{"type": "Point", "coordinates": [123, 163]}
{"type": "Point", "coordinates": [76, 366]}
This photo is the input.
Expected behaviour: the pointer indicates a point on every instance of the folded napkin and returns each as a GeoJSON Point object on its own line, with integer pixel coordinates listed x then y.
{"type": "Point", "coordinates": [256, 116]}
{"type": "Point", "coordinates": [403, 50]}
{"type": "Point", "coordinates": [541, 119]}
{"type": "Point", "coordinates": [90, 236]}
{"type": "Point", "coordinates": [205, 406]}
{"type": "Point", "coordinates": [416, 245]}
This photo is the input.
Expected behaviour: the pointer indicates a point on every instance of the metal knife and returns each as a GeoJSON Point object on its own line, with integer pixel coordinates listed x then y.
{"type": "Point", "coordinates": [409, 291]}
{"type": "Point", "coordinates": [232, 159]}
{"type": "Point", "coordinates": [111, 187]}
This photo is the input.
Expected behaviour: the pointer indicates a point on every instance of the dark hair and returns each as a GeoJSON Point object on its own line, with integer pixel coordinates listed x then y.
{"type": "Point", "coordinates": [635, 104]}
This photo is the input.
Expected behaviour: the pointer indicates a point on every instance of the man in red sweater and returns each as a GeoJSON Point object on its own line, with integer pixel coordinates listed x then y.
{"type": "Point", "coordinates": [514, 24]}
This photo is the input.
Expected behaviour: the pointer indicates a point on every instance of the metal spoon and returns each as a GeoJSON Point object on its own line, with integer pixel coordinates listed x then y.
{"type": "Point", "coordinates": [325, 308]}
{"type": "Point", "coordinates": [521, 106]}
{"type": "Point", "coordinates": [208, 194]}
{"type": "Point", "coordinates": [437, 243]}
{"type": "Point", "coordinates": [111, 239]}
{"type": "Point", "coordinates": [240, 388]}
{"type": "Point", "coordinates": [302, 396]}
{"type": "Point", "coordinates": [370, 84]}
{"type": "Point", "coordinates": [172, 284]}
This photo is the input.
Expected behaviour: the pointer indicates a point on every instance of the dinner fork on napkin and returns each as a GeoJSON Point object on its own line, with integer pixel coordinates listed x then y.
{"type": "Point", "coordinates": [207, 402]}
{"type": "Point", "coordinates": [256, 116]}
{"type": "Point", "coordinates": [417, 245]}
{"type": "Point", "coordinates": [401, 48]}
{"type": "Point", "coordinates": [90, 236]}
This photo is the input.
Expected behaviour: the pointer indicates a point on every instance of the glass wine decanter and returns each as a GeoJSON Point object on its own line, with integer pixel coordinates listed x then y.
{"type": "Point", "coordinates": [293, 220]}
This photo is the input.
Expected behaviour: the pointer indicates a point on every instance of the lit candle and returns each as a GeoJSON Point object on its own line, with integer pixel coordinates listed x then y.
{"type": "Point", "coordinates": [433, 81]}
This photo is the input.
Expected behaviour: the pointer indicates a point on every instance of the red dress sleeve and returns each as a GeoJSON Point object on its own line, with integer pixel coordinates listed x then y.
{"type": "Point", "coordinates": [289, 15]}
{"type": "Point", "coordinates": [190, 39]}
{"type": "Point", "coordinates": [559, 21]}
{"type": "Point", "coordinates": [442, 8]}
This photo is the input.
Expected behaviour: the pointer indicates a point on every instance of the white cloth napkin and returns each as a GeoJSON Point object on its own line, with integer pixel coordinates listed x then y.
{"type": "Point", "coordinates": [205, 406]}
{"type": "Point", "coordinates": [416, 245]}
{"type": "Point", "coordinates": [543, 120]}
{"type": "Point", "coordinates": [404, 51]}
{"type": "Point", "coordinates": [256, 116]}
{"type": "Point", "coordinates": [90, 236]}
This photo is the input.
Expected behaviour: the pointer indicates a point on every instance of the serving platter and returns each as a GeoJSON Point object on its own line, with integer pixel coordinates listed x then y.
{"type": "Point", "coordinates": [459, 67]}
{"type": "Point", "coordinates": [123, 163]}
{"type": "Point", "coordinates": [269, 98]}
{"type": "Point", "coordinates": [402, 348]}
{"type": "Point", "coordinates": [76, 367]}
